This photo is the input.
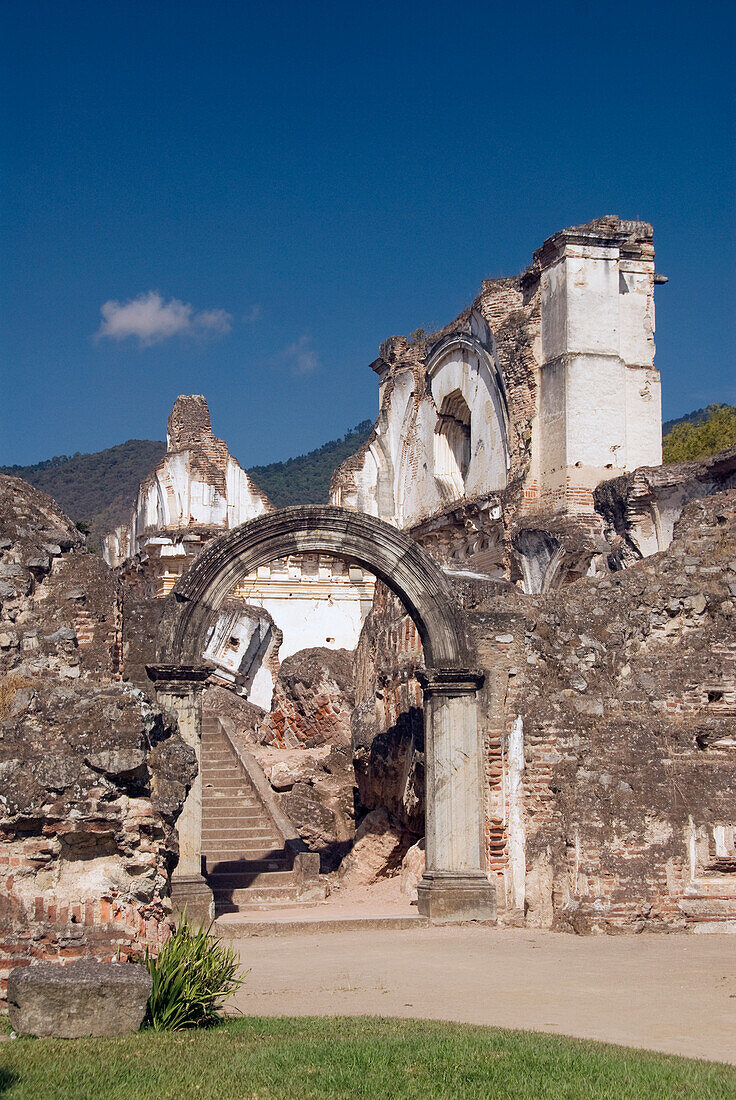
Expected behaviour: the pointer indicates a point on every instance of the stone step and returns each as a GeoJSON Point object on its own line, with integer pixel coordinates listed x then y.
{"type": "Point", "coordinates": [222, 849]}
{"type": "Point", "coordinates": [243, 872]}
{"type": "Point", "coordinates": [252, 895]}
{"type": "Point", "coordinates": [222, 870]}
{"type": "Point", "coordinates": [244, 845]}
{"type": "Point", "coordinates": [235, 784]}
{"type": "Point", "coordinates": [316, 921]}
{"type": "Point", "coordinates": [233, 849]}
{"type": "Point", "coordinates": [245, 858]}
{"type": "Point", "coordinates": [227, 820]}
{"type": "Point", "coordinates": [234, 796]}
{"type": "Point", "coordinates": [708, 908]}
{"type": "Point", "coordinates": [216, 811]}
{"type": "Point", "coordinates": [245, 848]}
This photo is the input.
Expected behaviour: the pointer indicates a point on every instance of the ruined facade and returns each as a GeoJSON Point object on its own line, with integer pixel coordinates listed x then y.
{"type": "Point", "coordinates": [609, 735]}
{"type": "Point", "coordinates": [521, 446]}
{"type": "Point", "coordinates": [197, 492]}
{"type": "Point", "coordinates": [560, 744]}
{"type": "Point", "coordinates": [493, 432]}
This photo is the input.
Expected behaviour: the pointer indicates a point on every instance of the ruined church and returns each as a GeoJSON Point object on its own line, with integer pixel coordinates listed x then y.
{"type": "Point", "coordinates": [498, 666]}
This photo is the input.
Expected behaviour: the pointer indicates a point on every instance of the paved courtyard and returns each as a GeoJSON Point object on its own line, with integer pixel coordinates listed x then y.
{"type": "Point", "coordinates": [672, 993]}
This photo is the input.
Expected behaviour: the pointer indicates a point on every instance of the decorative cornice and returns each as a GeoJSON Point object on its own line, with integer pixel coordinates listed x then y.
{"type": "Point", "coordinates": [179, 678]}
{"type": "Point", "coordinates": [450, 681]}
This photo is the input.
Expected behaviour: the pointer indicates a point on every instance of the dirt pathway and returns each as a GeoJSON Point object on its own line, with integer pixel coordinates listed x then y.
{"type": "Point", "coordinates": [672, 993]}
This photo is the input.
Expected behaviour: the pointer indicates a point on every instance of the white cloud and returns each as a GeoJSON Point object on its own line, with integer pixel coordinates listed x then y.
{"type": "Point", "coordinates": [301, 356]}
{"type": "Point", "coordinates": [253, 314]}
{"type": "Point", "coordinates": [149, 319]}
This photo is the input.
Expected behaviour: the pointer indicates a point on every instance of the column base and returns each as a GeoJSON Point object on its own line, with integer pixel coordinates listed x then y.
{"type": "Point", "coordinates": [193, 893]}
{"type": "Point", "coordinates": [446, 897]}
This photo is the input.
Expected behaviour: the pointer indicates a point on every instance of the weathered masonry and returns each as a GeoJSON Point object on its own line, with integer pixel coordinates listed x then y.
{"type": "Point", "coordinates": [494, 431]}
{"type": "Point", "coordinates": [520, 445]}
{"type": "Point", "coordinates": [456, 884]}
{"type": "Point", "coordinates": [197, 492]}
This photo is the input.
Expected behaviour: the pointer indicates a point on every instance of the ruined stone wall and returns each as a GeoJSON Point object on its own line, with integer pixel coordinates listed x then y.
{"type": "Point", "coordinates": [197, 487]}
{"type": "Point", "coordinates": [388, 721]}
{"type": "Point", "coordinates": [607, 716]}
{"type": "Point", "coordinates": [541, 389]}
{"type": "Point", "coordinates": [92, 774]}
{"type": "Point", "coordinates": [628, 704]}
{"type": "Point", "coordinates": [313, 700]}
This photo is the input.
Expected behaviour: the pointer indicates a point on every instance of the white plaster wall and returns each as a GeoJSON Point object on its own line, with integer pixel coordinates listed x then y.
{"type": "Point", "coordinates": [515, 826]}
{"type": "Point", "coordinates": [177, 496]}
{"type": "Point", "coordinates": [552, 417]}
{"type": "Point", "coordinates": [636, 313]}
{"type": "Point", "coordinates": [470, 374]}
{"type": "Point", "coordinates": [643, 417]}
{"type": "Point", "coordinates": [396, 480]}
{"type": "Point", "coordinates": [311, 622]}
{"type": "Point", "coordinates": [592, 300]}
{"type": "Point", "coordinates": [553, 294]}
{"type": "Point", "coordinates": [206, 506]}
{"type": "Point", "coordinates": [597, 317]}
{"type": "Point", "coordinates": [242, 503]}
{"type": "Point", "coordinates": [261, 690]}
{"type": "Point", "coordinates": [595, 401]}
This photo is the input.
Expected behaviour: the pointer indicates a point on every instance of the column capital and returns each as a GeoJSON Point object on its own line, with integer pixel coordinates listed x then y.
{"type": "Point", "coordinates": [450, 681]}
{"type": "Point", "coordinates": [179, 679]}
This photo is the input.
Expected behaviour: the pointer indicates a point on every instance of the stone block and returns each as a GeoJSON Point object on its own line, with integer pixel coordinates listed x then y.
{"type": "Point", "coordinates": [80, 999]}
{"type": "Point", "coordinates": [447, 898]}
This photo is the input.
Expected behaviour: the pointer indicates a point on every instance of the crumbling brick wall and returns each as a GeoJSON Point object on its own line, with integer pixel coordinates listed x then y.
{"type": "Point", "coordinates": [92, 774]}
{"type": "Point", "coordinates": [607, 715]}
{"type": "Point", "coordinates": [388, 722]}
{"type": "Point", "coordinates": [313, 700]}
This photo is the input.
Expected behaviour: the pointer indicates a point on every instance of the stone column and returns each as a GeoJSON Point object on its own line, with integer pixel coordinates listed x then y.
{"type": "Point", "coordinates": [180, 689]}
{"type": "Point", "coordinates": [455, 885]}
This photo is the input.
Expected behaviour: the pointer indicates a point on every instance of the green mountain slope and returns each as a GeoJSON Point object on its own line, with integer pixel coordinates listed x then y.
{"type": "Point", "coordinates": [97, 489]}
{"type": "Point", "coordinates": [306, 478]}
{"type": "Point", "coordinates": [694, 417]}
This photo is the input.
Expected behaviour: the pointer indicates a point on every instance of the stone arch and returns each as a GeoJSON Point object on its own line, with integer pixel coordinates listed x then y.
{"type": "Point", "coordinates": [380, 548]}
{"type": "Point", "coordinates": [456, 884]}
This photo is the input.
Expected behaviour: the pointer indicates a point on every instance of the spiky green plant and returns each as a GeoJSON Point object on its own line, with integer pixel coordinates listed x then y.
{"type": "Point", "coordinates": [193, 975]}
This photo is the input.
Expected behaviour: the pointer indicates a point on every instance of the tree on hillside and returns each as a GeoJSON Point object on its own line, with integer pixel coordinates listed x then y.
{"type": "Point", "coordinates": [688, 441]}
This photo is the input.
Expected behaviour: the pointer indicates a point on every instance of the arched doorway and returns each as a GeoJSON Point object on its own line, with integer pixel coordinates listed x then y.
{"type": "Point", "coordinates": [455, 884]}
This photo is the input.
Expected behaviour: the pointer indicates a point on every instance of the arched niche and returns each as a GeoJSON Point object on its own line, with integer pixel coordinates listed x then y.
{"type": "Point", "coordinates": [462, 372]}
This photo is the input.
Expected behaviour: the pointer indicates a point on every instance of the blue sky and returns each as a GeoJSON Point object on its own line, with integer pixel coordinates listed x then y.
{"type": "Point", "coordinates": [281, 186]}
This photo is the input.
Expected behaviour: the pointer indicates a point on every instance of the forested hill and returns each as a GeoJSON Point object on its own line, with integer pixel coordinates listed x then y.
{"type": "Point", "coordinates": [700, 434]}
{"type": "Point", "coordinates": [306, 478]}
{"type": "Point", "coordinates": [696, 417]}
{"type": "Point", "coordinates": [98, 490]}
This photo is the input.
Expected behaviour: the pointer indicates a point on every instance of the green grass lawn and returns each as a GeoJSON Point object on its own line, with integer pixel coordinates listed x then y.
{"type": "Point", "coordinates": [378, 1059]}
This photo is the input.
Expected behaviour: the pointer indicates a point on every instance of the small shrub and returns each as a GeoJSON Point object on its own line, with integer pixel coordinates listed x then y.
{"type": "Point", "coordinates": [193, 975]}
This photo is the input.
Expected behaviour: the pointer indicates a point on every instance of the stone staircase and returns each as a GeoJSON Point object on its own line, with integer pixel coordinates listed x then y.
{"type": "Point", "coordinates": [252, 856]}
